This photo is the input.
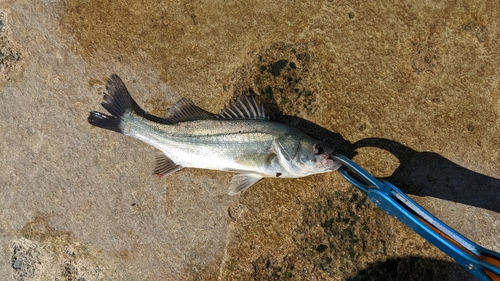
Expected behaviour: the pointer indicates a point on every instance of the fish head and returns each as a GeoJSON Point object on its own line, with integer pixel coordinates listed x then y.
{"type": "Point", "coordinates": [314, 157]}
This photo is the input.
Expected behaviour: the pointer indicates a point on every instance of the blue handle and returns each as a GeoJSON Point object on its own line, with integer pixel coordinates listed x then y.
{"type": "Point", "coordinates": [481, 262]}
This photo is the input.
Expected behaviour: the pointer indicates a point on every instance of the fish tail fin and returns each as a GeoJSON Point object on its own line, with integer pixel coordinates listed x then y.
{"type": "Point", "coordinates": [117, 103]}
{"type": "Point", "coordinates": [105, 121]}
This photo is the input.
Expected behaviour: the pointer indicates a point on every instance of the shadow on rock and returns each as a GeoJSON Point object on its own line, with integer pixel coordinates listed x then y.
{"type": "Point", "coordinates": [419, 173]}
{"type": "Point", "coordinates": [348, 220]}
{"type": "Point", "coordinates": [413, 268]}
{"type": "Point", "coordinates": [430, 174]}
{"type": "Point", "coordinates": [329, 138]}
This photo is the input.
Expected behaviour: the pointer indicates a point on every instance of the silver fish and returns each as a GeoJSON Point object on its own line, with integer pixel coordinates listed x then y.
{"type": "Point", "coordinates": [241, 139]}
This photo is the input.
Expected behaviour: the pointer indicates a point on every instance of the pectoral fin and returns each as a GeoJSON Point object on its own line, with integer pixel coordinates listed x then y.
{"type": "Point", "coordinates": [241, 182]}
{"type": "Point", "coordinates": [165, 166]}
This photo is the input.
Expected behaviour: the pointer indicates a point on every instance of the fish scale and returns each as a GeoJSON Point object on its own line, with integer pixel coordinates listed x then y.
{"type": "Point", "coordinates": [241, 139]}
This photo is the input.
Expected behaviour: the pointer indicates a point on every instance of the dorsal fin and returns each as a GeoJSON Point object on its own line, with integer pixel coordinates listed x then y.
{"type": "Point", "coordinates": [186, 110]}
{"type": "Point", "coordinates": [244, 107]}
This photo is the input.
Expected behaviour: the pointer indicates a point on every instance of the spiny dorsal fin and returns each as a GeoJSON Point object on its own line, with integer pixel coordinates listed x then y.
{"type": "Point", "coordinates": [244, 107]}
{"type": "Point", "coordinates": [186, 110]}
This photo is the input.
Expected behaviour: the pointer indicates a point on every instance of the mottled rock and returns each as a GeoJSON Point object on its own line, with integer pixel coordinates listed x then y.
{"type": "Point", "coordinates": [410, 90]}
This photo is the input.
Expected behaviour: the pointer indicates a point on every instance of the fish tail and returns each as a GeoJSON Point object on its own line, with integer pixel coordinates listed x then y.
{"type": "Point", "coordinates": [117, 103]}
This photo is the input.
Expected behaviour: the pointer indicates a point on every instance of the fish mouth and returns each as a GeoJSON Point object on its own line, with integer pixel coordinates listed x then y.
{"type": "Point", "coordinates": [328, 162]}
{"type": "Point", "coordinates": [324, 156]}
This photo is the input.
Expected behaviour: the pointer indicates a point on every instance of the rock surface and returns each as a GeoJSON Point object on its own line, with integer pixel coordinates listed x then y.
{"type": "Point", "coordinates": [411, 89]}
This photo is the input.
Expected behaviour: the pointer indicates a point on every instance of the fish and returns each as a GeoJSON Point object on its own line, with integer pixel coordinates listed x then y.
{"type": "Point", "coordinates": [241, 139]}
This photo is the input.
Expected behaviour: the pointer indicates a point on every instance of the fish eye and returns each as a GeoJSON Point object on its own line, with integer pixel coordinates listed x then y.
{"type": "Point", "coordinates": [318, 148]}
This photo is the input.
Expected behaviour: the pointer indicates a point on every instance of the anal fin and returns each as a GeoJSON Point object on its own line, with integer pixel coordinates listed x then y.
{"type": "Point", "coordinates": [165, 166]}
{"type": "Point", "coordinates": [241, 182]}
